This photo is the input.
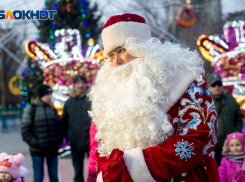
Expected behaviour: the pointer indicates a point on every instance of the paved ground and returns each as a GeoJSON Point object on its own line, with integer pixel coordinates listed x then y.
{"type": "Point", "coordinates": [11, 142]}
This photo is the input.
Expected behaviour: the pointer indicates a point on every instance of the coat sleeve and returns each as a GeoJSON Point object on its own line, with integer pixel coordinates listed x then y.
{"type": "Point", "coordinates": [239, 117]}
{"type": "Point", "coordinates": [27, 128]}
{"type": "Point", "coordinates": [197, 121]}
{"type": "Point", "coordinates": [223, 171]}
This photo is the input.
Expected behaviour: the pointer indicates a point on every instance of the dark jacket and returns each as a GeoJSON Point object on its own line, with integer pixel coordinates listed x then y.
{"type": "Point", "coordinates": [230, 118]}
{"type": "Point", "coordinates": [77, 121]}
{"type": "Point", "coordinates": [44, 133]}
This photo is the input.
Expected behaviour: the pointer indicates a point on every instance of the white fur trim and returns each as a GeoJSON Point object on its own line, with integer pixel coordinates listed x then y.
{"type": "Point", "coordinates": [116, 35]}
{"type": "Point", "coordinates": [137, 168]}
{"type": "Point", "coordinates": [179, 83]}
{"type": "Point", "coordinates": [99, 177]}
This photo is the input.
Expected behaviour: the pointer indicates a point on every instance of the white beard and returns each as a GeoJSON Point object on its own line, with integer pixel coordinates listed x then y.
{"type": "Point", "coordinates": [128, 101]}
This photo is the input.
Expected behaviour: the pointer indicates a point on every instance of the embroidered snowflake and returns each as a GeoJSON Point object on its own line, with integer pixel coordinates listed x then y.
{"type": "Point", "coordinates": [184, 149]}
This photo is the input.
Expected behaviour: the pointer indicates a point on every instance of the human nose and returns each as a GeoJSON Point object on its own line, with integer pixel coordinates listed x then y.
{"type": "Point", "coordinates": [117, 60]}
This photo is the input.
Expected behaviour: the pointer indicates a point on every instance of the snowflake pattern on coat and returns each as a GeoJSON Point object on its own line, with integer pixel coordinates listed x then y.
{"type": "Point", "coordinates": [194, 91]}
{"type": "Point", "coordinates": [184, 149]}
{"type": "Point", "coordinates": [190, 149]}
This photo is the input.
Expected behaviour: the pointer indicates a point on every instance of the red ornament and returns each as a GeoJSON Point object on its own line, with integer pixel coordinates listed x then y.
{"type": "Point", "coordinates": [186, 18]}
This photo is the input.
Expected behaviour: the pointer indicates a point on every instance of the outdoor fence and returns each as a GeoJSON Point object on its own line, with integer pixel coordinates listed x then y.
{"type": "Point", "coordinates": [10, 118]}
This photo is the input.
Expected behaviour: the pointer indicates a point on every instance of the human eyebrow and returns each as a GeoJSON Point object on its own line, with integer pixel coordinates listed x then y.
{"type": "Point", "coordinates": [122, 49]}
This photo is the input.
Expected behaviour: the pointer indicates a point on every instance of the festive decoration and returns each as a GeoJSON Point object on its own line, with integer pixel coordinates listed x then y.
{"type": "Point", "coordinates": [32, 78]}
{"type": "Point", "coordinates": [61, 65]}
{"type": "Point", "coordinates": [226, 53]}
{"type": "Point", "coordinates": [15, 85]}
{"type": "Point", "coordinates": [98, 55]}
{"type": "Point", "coordinates": [70, 14]}
{"type": "Point", "coordinates": [186, 18]}
{"type": "Point", "coordinates": [64, 48]}
{"type": "Point", "coordinates": [64, 72]}
{"type": "Point", "coordinates": [67, 60]}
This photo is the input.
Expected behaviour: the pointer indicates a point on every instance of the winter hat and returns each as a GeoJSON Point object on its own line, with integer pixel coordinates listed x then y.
{"type": "Point", "coordinates": [79, 77]}
{"type": "Point", "coordinates": [44, 90]}
{"type": "Point", "coordinates": [213, 77]}
{"type": "Point", "coordinates": [237, 135]}
{"type": "Point", "coordinates": [11, 164]}
{"type": "Point", "coordinates": [23, 171]}
{"type": "Point", "coordinates": [119, 28]}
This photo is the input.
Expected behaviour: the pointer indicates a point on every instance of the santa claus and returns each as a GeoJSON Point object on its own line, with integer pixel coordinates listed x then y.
{"type": "Point", "coordinates": [155, 117]}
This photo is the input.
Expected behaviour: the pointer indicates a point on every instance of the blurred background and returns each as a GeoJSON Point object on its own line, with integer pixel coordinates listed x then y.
{"type": "Point", "coordinates": [53, 52]}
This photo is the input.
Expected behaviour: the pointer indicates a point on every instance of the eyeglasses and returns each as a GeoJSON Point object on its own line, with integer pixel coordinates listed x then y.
{"type": "Point", "coordinates": [216, 83]}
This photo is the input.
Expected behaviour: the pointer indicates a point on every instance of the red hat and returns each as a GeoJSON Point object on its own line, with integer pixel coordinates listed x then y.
{"type": "Point", "coordinates": [119, 28]}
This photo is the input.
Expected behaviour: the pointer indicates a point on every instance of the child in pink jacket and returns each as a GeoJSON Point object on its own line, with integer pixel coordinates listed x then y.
{"type": "Point", "coordinates": [233, 156]}
{"type": "Point", "coordinates": [239, 176]}
{"type": "Point", "coordinates": [10, 167]}
{"type": "Point", "coordinates": [91, 159]}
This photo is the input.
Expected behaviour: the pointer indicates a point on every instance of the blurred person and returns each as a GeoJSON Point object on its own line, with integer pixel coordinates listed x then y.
{"type": "Point", "coordinates": [230, 117]}
{"type": "Point", "coordinates": [41, 129]}
{"type": "Point", "coordinates": [155, 117]}
{"type": "Point", "coordinates": [93, 146]}
{"type": "Point", "coordinates": [10, 167]}
{"type": "Point", "coordinates": [239, 175]}
{"type": "Point", "coordinates": [77, 123]}
{"type": "Point", "coordinates": [233, 154]}
{"type": "Point", "coordinates": [92, 154]}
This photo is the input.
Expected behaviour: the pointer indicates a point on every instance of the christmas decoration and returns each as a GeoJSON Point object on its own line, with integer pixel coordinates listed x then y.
{"type": "Point", "coordinates": [74, 14]}
{"type": "Point", "coordinates": [15, 85]}
{"type": "Point", "coordinates": [32, 78]}
{"type": "Point", "coordinates": [64, 48]}
{"type": "Point", "coordinates": [226, 53]}
{"type": "Point", "coordinates": [186, 18]}
{"type": "Point", "coordinates": [67, 60]}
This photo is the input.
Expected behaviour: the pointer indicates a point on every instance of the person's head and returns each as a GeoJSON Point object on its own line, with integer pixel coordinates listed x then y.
{"type": "Point", "coordinates": [236, 142]}
{"type": "Point", "coordinates": [117, 30]}
{"type": "Point", "coordinates": [214, 82]}
{"type": "Point", "coordinates": [120, 56]}
{"type": "Point", "coordinates": [6, 177]}
{"type": "Point", "coordinates": [127, 94]}
{"type": "Point", "coordinates": [80, 84]}
{"type": "Point", "coordinates": [10, 166]}
{"type": "Point", "coordinates": [45, 93]}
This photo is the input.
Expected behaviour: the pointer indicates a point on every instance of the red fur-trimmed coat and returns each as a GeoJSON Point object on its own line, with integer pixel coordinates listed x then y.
{"type": "Point", "coordinates": [184, 157]}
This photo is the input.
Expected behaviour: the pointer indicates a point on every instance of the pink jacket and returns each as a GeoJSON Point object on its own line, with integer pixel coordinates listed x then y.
{"type": "Point", "coordinates": [91, 159]}
{"type": "Point", "coordinates": [227, 168]}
